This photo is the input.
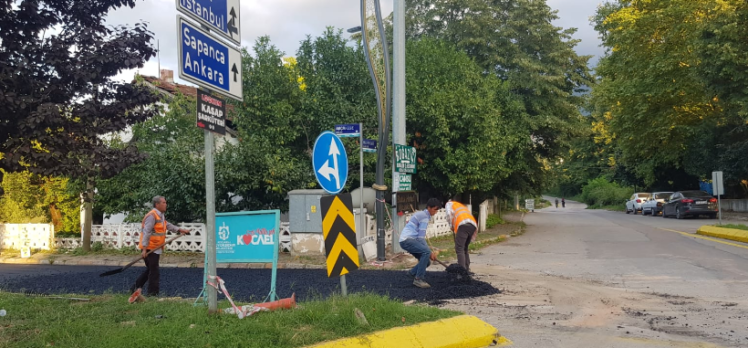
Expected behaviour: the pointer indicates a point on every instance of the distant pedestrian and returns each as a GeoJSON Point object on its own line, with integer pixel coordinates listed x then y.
{"type": "Point", "coordinates": [563, 203]}
{"type": "Point", "coordinates": [556, 202]}
{"type": "Point", "coordinates": [153, 237]}
{"type": "Point", "coordinates": [464, 226]}
{"type": "Point", "coordinates": [413, 240]}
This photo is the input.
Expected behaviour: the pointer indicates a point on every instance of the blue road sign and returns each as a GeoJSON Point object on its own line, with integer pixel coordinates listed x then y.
{"type": "Point", "coordinates": [221, 16]}
{"type": "Point", "coordinates": [208, 62]}
{"type": "Point", "coordinates": [330, 162]}
{"type": "Point", "coordinates": [347, 130]}
{"type": "Point", "coordinates": [370, 145]}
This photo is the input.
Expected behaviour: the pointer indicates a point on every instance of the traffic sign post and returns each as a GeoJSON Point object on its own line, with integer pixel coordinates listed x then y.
{"type": "Point", "coordinates": [208, 62]}
{"type": "Point", "coordinates": [215, 66]}
{"type": "Point", "coordinates": [718, 188]}
{"type": "Point", "coordinates": [221, 16]}
{"type": "Point", "coordinates": [339, 231]}
{"type": "Point", "coordinates": [330, 162]}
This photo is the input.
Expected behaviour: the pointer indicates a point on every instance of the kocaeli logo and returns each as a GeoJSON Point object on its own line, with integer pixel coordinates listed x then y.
{"type": "Point", "coordinates": [257, 237]}
{"type": "Point", "coordinates": [223, 232]}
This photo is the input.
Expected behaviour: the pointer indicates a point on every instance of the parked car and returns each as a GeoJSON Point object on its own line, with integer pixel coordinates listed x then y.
{"type": "Point", "coordinates": [690, 203]}
{"type": "Point", "coordinates": [653, 205]}
{"type": "Point", "coordinates": [634, 204]}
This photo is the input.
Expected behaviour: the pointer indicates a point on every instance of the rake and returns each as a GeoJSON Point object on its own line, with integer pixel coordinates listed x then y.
{"type": "Point", "coordinates": [119, 270]}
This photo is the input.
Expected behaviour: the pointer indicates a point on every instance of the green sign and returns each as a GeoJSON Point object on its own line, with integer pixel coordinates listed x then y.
{"type": "Point", "coordinates": [404, 182]}
{"type": "Point", "coordinates": [405, 159]}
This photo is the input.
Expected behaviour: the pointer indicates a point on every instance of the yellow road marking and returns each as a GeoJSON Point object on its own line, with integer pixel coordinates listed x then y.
{"type": "Point", "coordinates": [706, 238]}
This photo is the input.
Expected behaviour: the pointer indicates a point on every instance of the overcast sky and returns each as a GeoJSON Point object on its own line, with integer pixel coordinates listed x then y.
{"type": "Point", "coordinates": [287, 22]}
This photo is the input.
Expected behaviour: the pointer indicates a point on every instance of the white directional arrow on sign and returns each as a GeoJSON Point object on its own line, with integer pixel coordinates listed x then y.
{"type": "Point", "coordinates": [326, 170]}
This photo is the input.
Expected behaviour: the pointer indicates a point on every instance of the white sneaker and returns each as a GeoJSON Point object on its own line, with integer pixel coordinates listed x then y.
{"type": "Point", "coordinates": [421, 284]}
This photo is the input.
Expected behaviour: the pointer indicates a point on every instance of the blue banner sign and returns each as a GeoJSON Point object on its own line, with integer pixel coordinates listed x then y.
{"type": "Point", "coordinates": [208, 62]}
{"type": "Point", "coordinates": [247, 236]}
{"type": "Point", "coordinates": [221, 16]}
{"type": "Point", "coordinates": [370, 145]}
{"type": "Point", "coordinates": [348, 130]}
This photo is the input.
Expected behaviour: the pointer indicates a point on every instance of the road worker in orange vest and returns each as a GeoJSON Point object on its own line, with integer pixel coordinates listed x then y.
{"type": "Point", "coordinates": [464, 226]}
{"type": "Point", "coordinates": [153, 237]}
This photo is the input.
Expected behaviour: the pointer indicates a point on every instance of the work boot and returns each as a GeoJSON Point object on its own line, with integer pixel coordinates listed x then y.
{"type": "Point", "coordinates": [421, 284]}
{"type": "Point", "coordinates": [135, 295]}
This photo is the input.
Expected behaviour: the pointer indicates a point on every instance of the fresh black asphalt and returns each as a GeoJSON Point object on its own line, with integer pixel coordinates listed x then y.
{"type": "Point", "coordinates": [249, 285]}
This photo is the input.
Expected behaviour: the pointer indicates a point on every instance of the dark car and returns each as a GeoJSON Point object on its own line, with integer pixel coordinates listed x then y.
{"type": "Point", "coordinates": [690, 203]}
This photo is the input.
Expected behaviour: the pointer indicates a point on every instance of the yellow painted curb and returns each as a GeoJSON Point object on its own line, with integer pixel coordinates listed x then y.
{"type": "Point", "coordinates": [724, 233]}
{"type": "Point", "coordinates": [464, 331]}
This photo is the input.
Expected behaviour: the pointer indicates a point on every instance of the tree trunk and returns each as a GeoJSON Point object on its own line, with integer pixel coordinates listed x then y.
{"type": "Point", "coordinates": [88, 212]}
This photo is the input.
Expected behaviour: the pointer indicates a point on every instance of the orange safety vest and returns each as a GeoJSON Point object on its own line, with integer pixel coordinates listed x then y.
{"type": "Point", "coordinates": [461, 213]}
{"type": "Point", "coordinates": [158, 237]}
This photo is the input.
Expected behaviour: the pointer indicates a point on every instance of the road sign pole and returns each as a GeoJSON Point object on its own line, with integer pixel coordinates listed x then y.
{"type": "Point", "coordinates": [719, 198]}
{"type": "Point", "coordinates": [362, 216]}
{"type": "Point", "coordinates": [210, 224]}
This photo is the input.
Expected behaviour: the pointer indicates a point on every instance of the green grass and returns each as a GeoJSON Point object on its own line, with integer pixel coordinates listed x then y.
{"type": "Point", "coordinates": [109, 321]}
{"type": "Point", "coordinates": [737, 227]}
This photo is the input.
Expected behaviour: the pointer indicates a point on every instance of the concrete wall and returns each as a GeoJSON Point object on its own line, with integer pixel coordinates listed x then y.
{"type": "Point", "coordinates": [736, 205]}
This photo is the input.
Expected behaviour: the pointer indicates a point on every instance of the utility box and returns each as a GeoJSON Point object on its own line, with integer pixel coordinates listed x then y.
{"type": "Point", "coordinates": [304, 214]}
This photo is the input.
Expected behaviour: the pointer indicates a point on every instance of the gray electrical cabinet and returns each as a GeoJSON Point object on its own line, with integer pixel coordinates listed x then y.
{"type": "Point", "coordinates": [304, 214]}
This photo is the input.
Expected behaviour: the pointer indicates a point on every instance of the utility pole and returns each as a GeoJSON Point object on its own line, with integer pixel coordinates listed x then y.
{"type": "Point", "coordinates": [398, 108]}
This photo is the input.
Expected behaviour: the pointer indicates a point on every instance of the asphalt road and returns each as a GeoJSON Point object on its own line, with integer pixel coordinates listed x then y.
{"type": "Point", "coordinates": [593, 278]}
{"type": "Point", "coordinates": [251, 285]}
{"type": "Point", "coordinates": [640, 252]}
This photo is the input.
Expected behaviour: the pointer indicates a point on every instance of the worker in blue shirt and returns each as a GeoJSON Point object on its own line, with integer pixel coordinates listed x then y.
{"type": "Point", "coordinates": [413, 240]}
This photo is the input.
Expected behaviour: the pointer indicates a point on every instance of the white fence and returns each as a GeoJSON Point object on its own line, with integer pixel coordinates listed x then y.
{"type": "Point", "coordinates": [41, 236]}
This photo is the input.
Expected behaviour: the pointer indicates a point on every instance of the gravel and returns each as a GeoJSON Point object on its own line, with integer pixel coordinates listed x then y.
{"type": "Point", "coordinates": [243, 284]}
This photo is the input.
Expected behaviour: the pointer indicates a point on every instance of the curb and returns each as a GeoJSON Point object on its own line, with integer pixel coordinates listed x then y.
{"type": "Point", "coordinates": [464, 331]}
{"type": "Point", "coordinates": [724, 233]}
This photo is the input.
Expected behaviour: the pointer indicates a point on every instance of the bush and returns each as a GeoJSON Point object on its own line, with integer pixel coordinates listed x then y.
{"type": "Point", "coordinates": [600, 192]}
{"type": "Point", "coordinates": [97, 246]}
{"type": "Point", "coordinates": [493, 220]}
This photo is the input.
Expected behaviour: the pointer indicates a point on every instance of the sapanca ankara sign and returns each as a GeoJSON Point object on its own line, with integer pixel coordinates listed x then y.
{"type": "Point", "coordinates": [205, 50]}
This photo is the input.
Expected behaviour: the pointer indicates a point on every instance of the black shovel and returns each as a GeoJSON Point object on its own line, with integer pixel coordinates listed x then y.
{"type": "Point", "coordinates": [119, 270]}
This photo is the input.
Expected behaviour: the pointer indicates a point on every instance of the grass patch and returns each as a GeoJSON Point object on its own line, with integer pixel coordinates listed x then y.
{"type": "Point", "coordinates": [737, 227]}
{"type": "Point", "coordinates": [109, 321]}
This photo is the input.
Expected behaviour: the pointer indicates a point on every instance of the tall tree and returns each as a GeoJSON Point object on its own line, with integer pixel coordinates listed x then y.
{"type": "Point", "coordinates": [57, 60]}
{"type": "Point", "coordinates": [516, 41]}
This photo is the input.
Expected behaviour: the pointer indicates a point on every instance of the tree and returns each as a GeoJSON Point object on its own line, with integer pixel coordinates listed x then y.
{"type": "Point", "coordinates": [174, 168]}
{"type": "Point", "coordinates": [57, 59]}
{"type": "Point", "coordinates": [515, 40]}
{"type": "Point", "coordinates": [457, 121]}
{"type": "Point", "coordinates": [30, 198]}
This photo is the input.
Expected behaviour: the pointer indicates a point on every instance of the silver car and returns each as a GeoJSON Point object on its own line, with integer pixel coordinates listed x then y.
{"type": "Point", "coordinates": [653, 205]}
{"type": "Point", "coordinates": [634, 204]}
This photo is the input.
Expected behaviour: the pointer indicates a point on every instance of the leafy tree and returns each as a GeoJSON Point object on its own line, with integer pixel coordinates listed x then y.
{"type": "Point", "coordinates": [174, 168]}
{"type": "Point", "coordinates": [30, 198]}
{"type": "Point", "coordinates": [515, 40]}
{"type": "Point", "coordinates": [56, 64]}
{"type": "Point", "coordinates": [57, 60]}
{"type": "Point", "coordinates": [456, 121]}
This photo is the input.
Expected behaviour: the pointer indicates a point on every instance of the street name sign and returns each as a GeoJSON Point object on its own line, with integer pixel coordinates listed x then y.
{"type": "Point", "coordinates": [405, 159]}
{"type": "Point", "coordinates": [330, 162]}
{"type": "Point", "coordinates": [211, 112]}
{"type": "Point", "coordinates": [370, 145]}
{"type": "Point", "coordinates": [339, 231]}
{"type": "Point", "coordinates": [208, 62]}
{"type": "Point", "coordinates": [221, 16]}
{"type": "Point", "coordinates": [347, 130]}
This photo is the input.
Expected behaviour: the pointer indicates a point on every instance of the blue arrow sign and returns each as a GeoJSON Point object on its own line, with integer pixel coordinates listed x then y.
{"type": "Point", "coordinates": [347, 130]}
{"type": "Point", "coordinates": [208, 62]}
{"type": "Point", "coordinates": [330, 162]}
{"type": "Point", "coordinates": [370, 145]}
{"type": "Point", "coordinates": [221, 16]}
